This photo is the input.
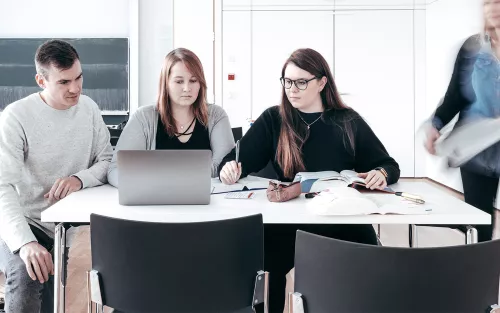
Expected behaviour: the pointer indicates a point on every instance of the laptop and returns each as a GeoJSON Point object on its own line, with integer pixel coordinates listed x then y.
{"type": "Point", "coordinates": [159, 177]}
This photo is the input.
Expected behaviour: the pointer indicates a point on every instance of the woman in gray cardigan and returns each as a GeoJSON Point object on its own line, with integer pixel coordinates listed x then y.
{"type": "Point", "coordinates": [181, 118]}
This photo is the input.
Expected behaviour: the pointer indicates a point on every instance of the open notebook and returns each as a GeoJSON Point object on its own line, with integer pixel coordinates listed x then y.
{"type": "Point", "coordinates": [319, 181]}
{"type": "Point", "coordinates": [349, 201]}
{"type": "Point", "coordinates": [247, 183]}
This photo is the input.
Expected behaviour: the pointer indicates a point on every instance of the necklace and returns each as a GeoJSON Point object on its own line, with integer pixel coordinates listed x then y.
{"type": "Point", "coordinates": [183, 125]}
{"type": "Point", "coordinates": [309, 125]}
{"type": "Point", "coordinates": [185, 133]}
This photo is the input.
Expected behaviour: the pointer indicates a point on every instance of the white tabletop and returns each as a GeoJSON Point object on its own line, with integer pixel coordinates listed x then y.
{"type": "Point", "coordinates": [103, 200]}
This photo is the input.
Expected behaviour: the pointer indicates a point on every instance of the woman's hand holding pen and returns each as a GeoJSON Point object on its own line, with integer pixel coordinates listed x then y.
{"type": "Point", "coordinates": [230, 173]}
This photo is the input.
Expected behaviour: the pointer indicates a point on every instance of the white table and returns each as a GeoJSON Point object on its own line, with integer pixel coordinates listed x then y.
{"type": "Point", "coordinates": [103, 200]}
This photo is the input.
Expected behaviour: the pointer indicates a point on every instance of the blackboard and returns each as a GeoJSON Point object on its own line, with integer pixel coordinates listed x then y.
{"type": "Point", "coordinates": [105, 66]}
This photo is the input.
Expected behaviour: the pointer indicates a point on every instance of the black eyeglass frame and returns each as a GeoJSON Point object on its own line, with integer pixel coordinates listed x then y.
{"type": "Point", "coordinates": [294, 82]}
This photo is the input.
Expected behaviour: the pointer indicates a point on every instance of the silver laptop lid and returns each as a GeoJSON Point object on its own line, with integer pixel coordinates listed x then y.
{"type": "Point", "coordinates": [157, 177]}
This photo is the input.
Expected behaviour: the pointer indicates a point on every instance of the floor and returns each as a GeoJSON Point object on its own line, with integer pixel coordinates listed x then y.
{"type": "Point", "coordinates": [391, 235]}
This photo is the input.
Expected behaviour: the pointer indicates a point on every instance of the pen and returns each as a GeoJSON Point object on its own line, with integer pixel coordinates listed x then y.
{"type": "Point", "coordinates": [311, 195]}
{"type": "Point", "coordinates": [247, 189]}
{"type": "Point", "coordinates": [237, 151]}
{"type": "Point", "coordinates": [410, 197]}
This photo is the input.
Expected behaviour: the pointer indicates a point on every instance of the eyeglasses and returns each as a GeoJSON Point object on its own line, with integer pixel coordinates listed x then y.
{"type": "Point", "coordinates": [301, 84]}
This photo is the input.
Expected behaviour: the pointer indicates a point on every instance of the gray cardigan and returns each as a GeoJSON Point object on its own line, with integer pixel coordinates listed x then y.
{"type": "Point", "coordinates": [140, 134]}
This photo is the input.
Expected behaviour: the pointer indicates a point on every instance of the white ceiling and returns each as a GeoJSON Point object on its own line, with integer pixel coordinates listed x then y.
{"type": "Point", "coordinates": [323, 4]}
{"type": "Point", "coordinates": [379, 2]}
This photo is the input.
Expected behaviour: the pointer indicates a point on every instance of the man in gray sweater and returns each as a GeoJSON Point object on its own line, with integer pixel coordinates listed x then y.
{"type": "Point", "coordinates": [52, 143]}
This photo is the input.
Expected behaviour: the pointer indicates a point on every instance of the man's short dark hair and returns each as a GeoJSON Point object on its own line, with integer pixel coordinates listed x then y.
{"type": "Point", "coordinates": [57, 53]}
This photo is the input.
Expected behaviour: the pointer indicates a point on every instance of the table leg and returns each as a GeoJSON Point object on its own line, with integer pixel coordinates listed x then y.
{"type": "Point", "coordinates": [60, 268]}
{"type": "Point", "coordinates": [413, 236]}
{"type": "Point", "coordinates": [471, 235]}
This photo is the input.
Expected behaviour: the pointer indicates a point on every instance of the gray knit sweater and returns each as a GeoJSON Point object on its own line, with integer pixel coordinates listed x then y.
{"type": "Point", "coordinates": [38, 145]}
{"type": "Point", "coordinates": [140, 134]}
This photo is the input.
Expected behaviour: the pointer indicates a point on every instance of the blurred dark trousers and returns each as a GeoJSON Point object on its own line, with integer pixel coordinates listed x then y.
{"type": "Point", "coordinates": [480, 191]}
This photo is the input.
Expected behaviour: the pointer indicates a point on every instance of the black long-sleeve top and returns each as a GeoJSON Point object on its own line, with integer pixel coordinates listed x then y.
{"type": "Point", "coordinates": [460, 93]}
{"type": "Point", "coordinates": [473, 92]}
{"type": "Point", "coordinates": [327, 147]}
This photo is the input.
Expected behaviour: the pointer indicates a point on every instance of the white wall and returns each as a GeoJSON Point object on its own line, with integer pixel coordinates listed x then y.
{"type": "Point", "coordinates": [235, 58]}
{"type": "Point", "coordinates": [372, 53]}
{"type": "Point", "coordinates": [449, 23]}
{"type": "Point", "coordinates": [374, 57]}
{"type": "Point", "coordinates": [420, 113]}
{"type": "Point", "coordinates": [62, 18]}
{"type": "Point", "coordinates": [155, 41]}
{"type": "Point", "coordinates": [196, 34]}
{"type": "Point", "coordinates": [275, 35]}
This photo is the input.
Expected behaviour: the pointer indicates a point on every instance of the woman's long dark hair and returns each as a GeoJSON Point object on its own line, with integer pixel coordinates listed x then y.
{"type": "Point", "coordinates": [293, 132]}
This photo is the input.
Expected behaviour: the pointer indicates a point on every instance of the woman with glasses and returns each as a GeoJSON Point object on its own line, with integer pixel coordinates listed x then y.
{"type": "Point", "coordinates": [311, 130]}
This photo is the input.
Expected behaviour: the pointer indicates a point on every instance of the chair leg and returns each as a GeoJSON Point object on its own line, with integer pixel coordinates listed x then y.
{"type": "Point", "coordinates": [471, 235]}
{"type": "Point", "coordinates": [59, 268]}
{"type": "Point", "coordinates": [266, 292]}
{"type": "Point", "coordinates": [261, 291]}
{"type": "Point", "coordinates": [89, 298]}
{"type": "Point", "coordinates": [99, 308]}
{"type": "Point", "coordinates": [295, 303]}
{"type": "Point", "coordinates": [93, 307]}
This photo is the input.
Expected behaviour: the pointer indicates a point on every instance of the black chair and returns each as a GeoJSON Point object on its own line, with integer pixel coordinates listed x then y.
{"type": "Point", "coordinates": [115, 131]}
{"type": "Point", "coordinates": [114, 136]}
{"type": "Point", "coordinates": [266, 172]}
{"type": "Point", "coordinates": [339, 276]}
{"type": "Point", "coordinates": [214, 266]}
{"type": "Point", "coordinates": [237, 133]}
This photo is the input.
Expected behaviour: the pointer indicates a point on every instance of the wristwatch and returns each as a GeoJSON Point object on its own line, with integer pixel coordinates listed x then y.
{"type": "Point", "coordinates": [382, 170]}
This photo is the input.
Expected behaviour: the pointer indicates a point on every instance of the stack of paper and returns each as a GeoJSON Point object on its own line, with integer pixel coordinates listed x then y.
{"type": "Point", "coordinates": [468, 140]}
{"type": "Point", "coordinates": [349, 201]}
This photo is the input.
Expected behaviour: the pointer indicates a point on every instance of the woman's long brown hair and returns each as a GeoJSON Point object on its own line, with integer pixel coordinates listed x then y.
{"type": "Point", "coordinates": [293, 132]}
{"type": "Point", "coordinates": [164, 105]}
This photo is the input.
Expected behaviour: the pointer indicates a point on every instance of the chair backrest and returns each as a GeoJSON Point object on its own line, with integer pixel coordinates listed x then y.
{"type": "Point", "coordinates": [237, 133]}
{"type": "Point", "coordinates": [266, 172]}
{"type": "Point", "coordinates": [177, 267]}
{"type": "Point", "coordinates": [339, 276]}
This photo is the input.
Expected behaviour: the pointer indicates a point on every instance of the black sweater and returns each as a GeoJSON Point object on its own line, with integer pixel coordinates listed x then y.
{"type": "Point", "coordinates": [326, 149]}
